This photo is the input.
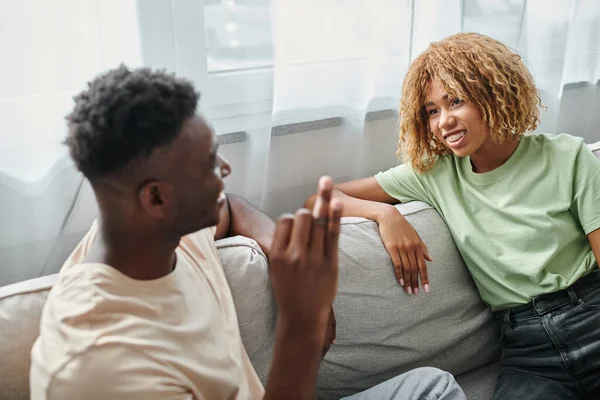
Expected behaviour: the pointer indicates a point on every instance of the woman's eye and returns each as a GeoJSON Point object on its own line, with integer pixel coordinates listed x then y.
{"type": "Point", "coordinates": [433, 111]}
{"type": "Point", "coordinates": [456, 102]}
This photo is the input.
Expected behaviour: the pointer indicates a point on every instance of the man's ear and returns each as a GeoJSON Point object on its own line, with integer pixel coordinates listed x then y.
{"type": "Point", "coordinates": [157, 198]}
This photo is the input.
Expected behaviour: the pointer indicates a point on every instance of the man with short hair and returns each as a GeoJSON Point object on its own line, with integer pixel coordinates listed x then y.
{"type": "Point", "coordinates": [141, 309]}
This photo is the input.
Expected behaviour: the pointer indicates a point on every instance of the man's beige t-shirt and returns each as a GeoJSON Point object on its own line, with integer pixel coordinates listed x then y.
{"type": "Point", "coordinates": [104, 335]}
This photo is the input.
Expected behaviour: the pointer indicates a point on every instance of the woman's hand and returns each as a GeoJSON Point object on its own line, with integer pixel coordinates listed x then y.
{"type": "Point", "coordinates": [407, 250]}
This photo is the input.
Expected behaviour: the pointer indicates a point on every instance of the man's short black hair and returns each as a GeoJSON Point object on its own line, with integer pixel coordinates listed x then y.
{"type": "Point", "coordinates": [126, 114]}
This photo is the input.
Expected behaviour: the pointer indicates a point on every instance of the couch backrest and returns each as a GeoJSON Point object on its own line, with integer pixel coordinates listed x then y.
{"type": "Point", "coordinates": [20, 310]}
{"type": "Point", "coordinates": [383, 332]}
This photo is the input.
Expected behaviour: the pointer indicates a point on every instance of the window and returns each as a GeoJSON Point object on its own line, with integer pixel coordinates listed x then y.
{"type": "Point", "coordinates": [238, 35]}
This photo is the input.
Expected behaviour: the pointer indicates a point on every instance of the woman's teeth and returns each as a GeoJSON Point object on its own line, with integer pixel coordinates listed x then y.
{"type": "Point", "coordinates": [456, 137]}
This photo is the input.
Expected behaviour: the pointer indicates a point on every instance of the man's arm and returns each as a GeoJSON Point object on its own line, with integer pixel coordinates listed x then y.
{"type": "Point", "coordinates": [239, 217]}
{"type": "Point", "coordinates": [594, 238]}
{"type": "Point", "coordinates": [304, 272]}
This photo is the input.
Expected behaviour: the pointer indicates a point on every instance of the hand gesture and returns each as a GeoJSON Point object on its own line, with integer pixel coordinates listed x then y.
{"type": "Point", "coordinates": [304, 265]}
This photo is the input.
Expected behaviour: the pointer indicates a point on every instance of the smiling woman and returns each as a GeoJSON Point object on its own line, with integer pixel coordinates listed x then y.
{"type": "Point", "coordinates": [465, 92]}
{"type": "Point", "coordinates": [522, 209]}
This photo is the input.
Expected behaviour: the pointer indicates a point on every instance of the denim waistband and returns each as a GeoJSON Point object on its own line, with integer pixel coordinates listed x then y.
{"type": "Point", "coordinates": [545, 303]}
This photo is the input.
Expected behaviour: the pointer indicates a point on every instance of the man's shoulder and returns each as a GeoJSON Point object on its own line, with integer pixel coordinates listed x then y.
{"type": "Point", "coordinates": [89, 300]}
{"type": "Point", "coordinates": [67, 317]}
{"type": "Point", "coordinates": [77, 298]}
{"type": "Point", "coordinates": [93, 305]}
{"type": "Point", "coordinates": [72, 293]}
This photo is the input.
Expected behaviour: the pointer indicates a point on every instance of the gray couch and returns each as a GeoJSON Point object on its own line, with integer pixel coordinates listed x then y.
{"type": "Point", "coordinates": [381, 333]}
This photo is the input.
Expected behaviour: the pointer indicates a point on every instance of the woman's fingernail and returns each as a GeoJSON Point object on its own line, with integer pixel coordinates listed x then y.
{"type": "Point", "coordinates": [401, 281]}
{"type": "Point", "coordinates": [409, 290]}
{"type": "Point", "coordinates": [426, 288]}
{"type": "Point", "coordinates": [416, 291]}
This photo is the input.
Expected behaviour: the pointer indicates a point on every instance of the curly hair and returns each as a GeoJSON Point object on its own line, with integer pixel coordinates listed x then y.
{"type": "Point", "coordinates": [472, 67]}
{"type": "Point", "coordinates": [125, 115]}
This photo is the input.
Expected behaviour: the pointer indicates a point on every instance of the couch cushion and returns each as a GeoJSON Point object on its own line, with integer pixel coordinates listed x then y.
{"type": "Point", "coordinates": [595, 147]}
{"type": "Point", "coordinates": [247, 274]}
{"type": "Point", "coordinates": [479, 384]}
{"type": "Point", "coordinates": [20, 310]}
{"type": "Point", "coordinates": [383, 332]}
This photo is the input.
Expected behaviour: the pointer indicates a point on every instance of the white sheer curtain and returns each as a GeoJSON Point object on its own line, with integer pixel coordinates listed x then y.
{"type": "Point", "coordinates": [294, 88]}
{"type": "Point", "coordinates": [50, 49]}
{"type": "Point", "coordinates": [338, 58]}
{"type": "Point", "coordinates": [353, 54]}
{"type": "Point", "coordinates": [345, 60]}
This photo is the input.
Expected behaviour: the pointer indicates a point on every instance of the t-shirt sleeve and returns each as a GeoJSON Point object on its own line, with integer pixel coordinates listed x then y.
{"type": "Point", "coordinates": [115, 372]}
{"type": "Point", "coordinates": [585, 203]}
{"type": "Point", "coordinates": [402, 183]}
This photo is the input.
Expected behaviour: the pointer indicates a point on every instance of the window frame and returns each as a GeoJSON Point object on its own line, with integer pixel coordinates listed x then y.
{"type": "Point", "coordinates": [172, 35]}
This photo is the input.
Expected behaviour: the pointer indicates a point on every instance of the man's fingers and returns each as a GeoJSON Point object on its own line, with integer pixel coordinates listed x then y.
{"type": "Point", "coordinates": [283, 230]}
{"type": "Point", "coordinates": [320, 214]}
{"type": "Point", "coordinates": [423, 273]}
{"type": "Point", "coordinates": [301, 231]}
{"type": "Point", "coordinates": [333, 232]}
{"type": "Point", "coordinates": [321, 208]}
